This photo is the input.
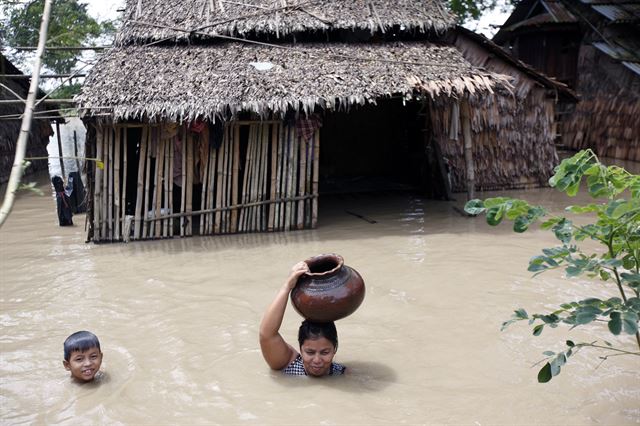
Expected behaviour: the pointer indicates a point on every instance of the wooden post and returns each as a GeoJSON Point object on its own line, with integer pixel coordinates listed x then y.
{"type": "Point", "coordinates": [137, 225]}
{"type": "Point", "coordinates": [60, 154]}
{"type": "Point", "coordinates": [468, 149]}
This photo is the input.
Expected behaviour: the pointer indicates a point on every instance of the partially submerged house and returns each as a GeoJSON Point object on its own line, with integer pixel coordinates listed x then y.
{"type": "Point", "coordinates": [220, 117]}
{"type": "Point", "coordinates": [594, 47]}
{"type": "Point", "coordinates": [14, 87]}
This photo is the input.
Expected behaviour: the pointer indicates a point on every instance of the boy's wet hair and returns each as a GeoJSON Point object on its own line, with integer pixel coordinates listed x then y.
{"type": "Point", "coordinates": [314, 330]}
{"type": "Point", "coordinates": [80, 341]}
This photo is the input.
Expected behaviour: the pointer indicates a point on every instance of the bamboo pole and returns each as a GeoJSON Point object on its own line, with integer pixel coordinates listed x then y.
{"type": "Point", "coordinates": [17, 168]}
{"type": "Point", "coordinates": [289, 180]}
{"type": "Point", "coordinates": [255, 175]}
{"type": "Point", "coordinates": [212, 188]}
{"type": "Point", "coordinates": [274, 165]}
{"type": "Point", "coordinates": [308, 190]}
{"type": "Point", "coordinates": [137, 225]}
{"type": "Point", "coordinates": [172, 147]}
{"type": "Point", "coordinates": [245, 181]}
{"type": "Point", "coordinates": [154, 196]}
{"type": "Point", "coordinates": [468, 150]}
{"type": "Point", "coordinates": [60, 153]}
{"type": "Point", "coordinates": [316, 175]}
{"type": "Point", "coordinates": [236, 172]}
{"type": "Point", "coordinates": [204, 165]}
{"type": "Point", "coordinates": [189, 189]}
{"type": "Point", "coordinates": [124, 178]}
{"type": "Point", "coordinates": [294, 175]}
{"type": "Point", "coordinates": [168, 148]}
{"type": "Point", "coordinates": [301, 181]}
{"type": "Point", "coordinates": [218, 216]}
{"type": "Point", "coordinates": [147, 173]}
{"type": "Point", "coordinates": [160, 182]}
{"type": "Point", "coordinates": [264, 187]}
{"type": "Point", "coordinates": [97, 213]}
{"type": "Point", "coordinates": [183, 175]}
{"type": "Point", "coordinates": [228, 169]}
{"type": "Point", "coordinates": [277, 206]}
{"type": "Point", "coordinates": [235, 207]}
{"type": "Point", "coordinates": [223, 191]}
{"type": "Point", "coordinates": [116, 182]}
{"type": "Point", "coordinates": [105, 184]}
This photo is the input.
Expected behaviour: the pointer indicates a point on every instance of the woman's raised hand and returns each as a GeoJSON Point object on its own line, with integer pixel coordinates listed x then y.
{"type": "Point", "coordinates": [296, 271]}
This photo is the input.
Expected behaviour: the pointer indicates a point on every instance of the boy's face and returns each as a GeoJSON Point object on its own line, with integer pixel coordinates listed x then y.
{"type": "Point", "coordinates": [84, 365]}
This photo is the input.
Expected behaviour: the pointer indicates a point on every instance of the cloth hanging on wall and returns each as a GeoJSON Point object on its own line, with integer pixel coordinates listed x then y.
{"type": "Point", "coordinates": [306, 127]}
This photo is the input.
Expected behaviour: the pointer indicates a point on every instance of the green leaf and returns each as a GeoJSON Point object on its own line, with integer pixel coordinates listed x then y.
{"type": "Point", "coordinates": [548, 353]}
{"type": "Point", "coordinates": [538, 329]}
{"type": "Point", "coordinates": [570, 343]}
{"type": "Point", "coordinates": [544, 375]}
{"type": "Point", "coordinates": [494, 215]}
{"type": "Point", "coordinates": [615, 323]}
{"type": "Point", "coordinates": [630, 322]}
{"type": "Point", "coordinates": [521, 224]}
{"type": "Point", "coordinates": [474, 207]}
{"type": "Point", "coordinates": [550, 223]}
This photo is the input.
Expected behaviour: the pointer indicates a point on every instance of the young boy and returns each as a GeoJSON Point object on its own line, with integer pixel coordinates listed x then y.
{"type": "Point", "coordinates": [82, 356]}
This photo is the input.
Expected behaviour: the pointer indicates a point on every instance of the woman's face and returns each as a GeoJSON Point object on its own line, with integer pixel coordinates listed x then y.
{"type": "Point", "coordinates": [317, 355]}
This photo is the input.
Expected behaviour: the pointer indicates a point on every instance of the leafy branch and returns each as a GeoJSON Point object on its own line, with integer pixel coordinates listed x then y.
{"type": "Point", "coordinates": [616, 228]}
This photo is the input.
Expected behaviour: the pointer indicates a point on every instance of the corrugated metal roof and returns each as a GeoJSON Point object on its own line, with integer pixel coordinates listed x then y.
{"type": "Point", "coordinates": [558, 11]}
{"type": "Point", "coordinates": [633, 66]}
{"type": "Point", "coordinates": [620, 12]}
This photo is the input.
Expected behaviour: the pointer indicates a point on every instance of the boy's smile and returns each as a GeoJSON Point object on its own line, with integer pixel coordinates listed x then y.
{"type": "Point", "coordinates": [84, 365]}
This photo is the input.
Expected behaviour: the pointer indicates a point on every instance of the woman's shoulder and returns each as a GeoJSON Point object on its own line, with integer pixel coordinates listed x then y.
{"type": "Point", "coordinates": [295, 367]}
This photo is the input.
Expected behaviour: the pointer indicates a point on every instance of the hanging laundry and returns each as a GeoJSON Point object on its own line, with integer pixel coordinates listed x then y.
{"type": "Point", "coordinates": [65, 215]}
{"type": "Point", "coordinates": [306, 127]}
{"type": "Point", "coordinates": [197, 126]}
{"type": "Point", "coordinates": [177, 161]}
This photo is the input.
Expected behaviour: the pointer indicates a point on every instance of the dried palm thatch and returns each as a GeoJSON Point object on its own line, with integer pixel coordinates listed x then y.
{"type": "Point", "coordinates": [209, 82]}
{"type": "Point", "coordinates": [276, 17]}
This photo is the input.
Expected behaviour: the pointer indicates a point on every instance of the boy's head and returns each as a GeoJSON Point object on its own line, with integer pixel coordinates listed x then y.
{"type": "Point", "coordinates": [82, 355]}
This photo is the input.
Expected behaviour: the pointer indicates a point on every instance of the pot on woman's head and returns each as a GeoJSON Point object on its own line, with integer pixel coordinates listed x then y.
{"type": "Point", "coordinates": [330, 290]}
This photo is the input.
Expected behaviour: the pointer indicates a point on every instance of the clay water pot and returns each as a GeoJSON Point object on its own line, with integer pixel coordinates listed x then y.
{"type": "Point", "coordinates": [330, 290]}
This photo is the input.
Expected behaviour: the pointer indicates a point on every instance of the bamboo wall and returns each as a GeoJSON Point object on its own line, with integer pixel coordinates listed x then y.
{"type": "Point", "coordinates": [606, 118]}
{"type": "Point", "coordinates": [512, 139]}
{"type": "Point", "coordinates": [261, 177]}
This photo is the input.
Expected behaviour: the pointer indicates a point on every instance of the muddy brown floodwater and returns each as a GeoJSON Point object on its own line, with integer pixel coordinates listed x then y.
{"type": "Point", "coordinates": [178, 322]}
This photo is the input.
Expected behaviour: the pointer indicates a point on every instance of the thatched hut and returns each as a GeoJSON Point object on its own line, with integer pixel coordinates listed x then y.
{"type": "Point", "coordinates": [14, 88]}
{"type": "Point", "coordinates": [594, 47]}
{"type": "Point", "coordinates": [220, 117]}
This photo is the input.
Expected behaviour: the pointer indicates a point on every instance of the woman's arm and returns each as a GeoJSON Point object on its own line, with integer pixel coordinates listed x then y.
{"type": "Point", "coordinates": [275, 350]}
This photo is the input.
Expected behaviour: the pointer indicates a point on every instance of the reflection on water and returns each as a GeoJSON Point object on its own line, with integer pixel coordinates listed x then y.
{"type": "Point", "coordinates": [178, 322]}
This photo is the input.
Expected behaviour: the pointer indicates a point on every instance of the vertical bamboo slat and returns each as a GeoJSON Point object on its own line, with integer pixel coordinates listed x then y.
{"type": "Point", "coordinates": [183, 175]}
{"type": "Point", "coordinates": [172, 147]}
{"type": "Point", "coordinates": [301, 182]}
{"type": "Point", "coordinates": [289, 180]}
{"type": "Point", "coordinates": [116, 183]}
{"type": "Point", "coordinates": [105, 184]}
{"type": "Point", "coordinates": [274, 160]}
{"type": "Point", "coordinates": [264, 187]}
{"type": "Point", "coordinates": [147, 173]}
{"type": "Point", "coordinates": [308, 190]}
{"type": "Point", "coordinates": [236, 172]}
{"type": "Point", "coordinates": [189, 189]}
{"type": "Point", "coordinates": [316, 175]}
{"type": "Point", "coordinates": [160, 185]}
{"type": "Point", "coordinates": [212, 187]}
{"type": "Point", "coordinates": [97, 205]}
{"type": "Point", "coordinates": [123, 213]}
{"type": "Point", "coordinates": [204, 164]}
{"type": "Point", "coordinates": [219, 188]}
{"type": "Point", "coordinates": [137, 232]}
{"type": "Point", "coordinates": [168, 148]}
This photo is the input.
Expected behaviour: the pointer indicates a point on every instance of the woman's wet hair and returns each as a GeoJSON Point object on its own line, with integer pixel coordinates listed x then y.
{"type": "Point", "coordinates": [80, 341]}
{"type": "Point", "coordinates": [315, 330]}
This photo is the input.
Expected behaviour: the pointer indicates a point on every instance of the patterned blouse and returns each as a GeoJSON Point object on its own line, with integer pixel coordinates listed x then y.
{"type": "Point", "coordinates": [296, 368]}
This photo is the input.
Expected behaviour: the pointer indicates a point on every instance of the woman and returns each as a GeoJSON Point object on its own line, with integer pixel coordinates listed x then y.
{"type": "Point", "coordinates": [318, 341]}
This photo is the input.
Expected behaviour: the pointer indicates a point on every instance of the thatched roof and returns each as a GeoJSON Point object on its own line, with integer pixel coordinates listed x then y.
{"type": "Point", "coordinates": [153, 20]}
{"type": "Point", "coordinates": [178, 83]}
